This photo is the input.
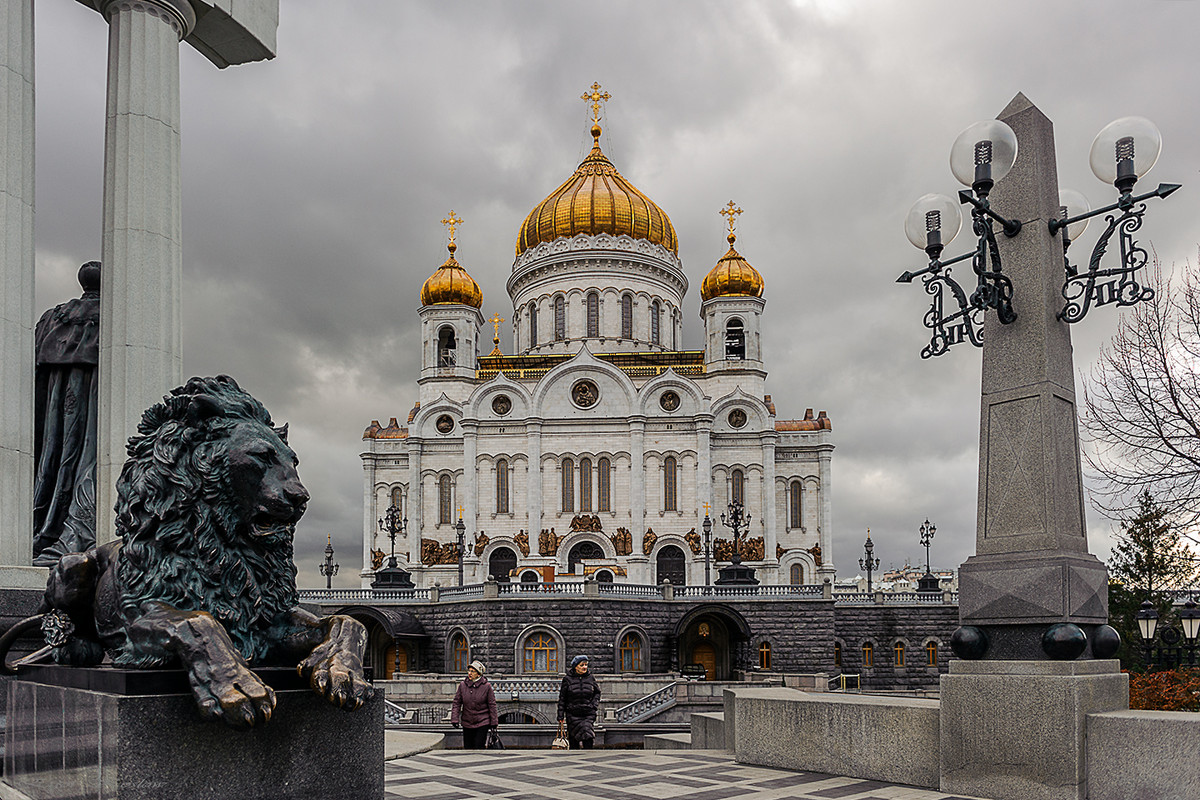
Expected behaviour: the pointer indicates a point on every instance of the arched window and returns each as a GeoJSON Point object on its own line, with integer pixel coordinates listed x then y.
{"type": "Point", "coordinates": [533, 340]}
{"type": "Point", "coordinates": [444, 500]}
{"type": "Point", "coordinates": [584, 551]}
{"type": "Point", "coordinates": [585, 484]}
{"type": "Point", "coordinates": [568, 485]}
{"type": "Point", "coordinates": [670, 495]}
{"type": "Point", "coordinates": [593, 314]}
{"type": "Point", "coordinates": [655, 322]}
{"type": "Point", "coordinates": [398, 499]}
{"type": "Point", "coordinates": [501, 563]}
{"type": "Point", "coordinates": [764, 655]}
{"type": "Point", "coordinates": [797, 575]}
{"type": "Point", "coordinates": [529, 576]}
{"type": "Point", "coordinates": [837, 654]}
{"type": "Point", "coordinates": [735, 340]}
{"type": "Point", "coordinates": [671, 566]}
{"type": "Point", "coordinates": [560, 318]}
{"type": "Point", "coordinates": [447, 347]}
{"type": "Point", "coordinates": [626, 316]}
{"type": "Point", "coordinates": [899, 650]}
{"type": "Point", "coordinates": [459, 653]}
{"type": "Point", "coordinates": [795, 493]}
{"type": "Point", "coordinates": [541, 653]}
{"type": "Point", "coordinates": [675, 331]}
{"type": "Point", "coordinates": [931, 654]}
{"type": "Point", "coordinates": [868, 654]}
{"type": "Point", "coordinates": [604, 484]}
{"type": "Point", "coordinates": [738, 487]}
{"type": "Point", "coordinates": [604, 576]}
{"type": "Point", "coordinates": [502, 486]}
{"type": "Point", "coordinates": [631, 653]}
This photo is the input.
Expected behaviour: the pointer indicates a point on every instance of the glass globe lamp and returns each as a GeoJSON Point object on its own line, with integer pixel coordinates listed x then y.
{"type": "Point", "coordinates": [933, 222]}
{"type": "Point", "coordinates": [983, 154]}
{"type": "Point", "coordinates": [1125, 150]}
{"type": "Point", "coordinates": [1072, 204]}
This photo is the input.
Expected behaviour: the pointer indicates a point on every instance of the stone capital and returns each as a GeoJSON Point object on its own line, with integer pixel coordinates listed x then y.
{"type": "Point", "coordinates": [179, 14]}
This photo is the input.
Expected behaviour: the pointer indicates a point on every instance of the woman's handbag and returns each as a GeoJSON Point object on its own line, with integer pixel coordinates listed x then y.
{"type": "Point", "coordinates": [560, 742]}
{"type": "Point", "coordinates": [493, 740]}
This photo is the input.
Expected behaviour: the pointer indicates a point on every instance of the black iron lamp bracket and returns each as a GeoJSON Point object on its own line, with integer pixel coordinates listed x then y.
{"type": "Point", "coordinates": [1120, 285]}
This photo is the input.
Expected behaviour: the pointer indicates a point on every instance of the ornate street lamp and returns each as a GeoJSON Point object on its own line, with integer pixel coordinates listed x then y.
{"type": "Point", "coordinates": [982, 155]}
{"type": "Point", "coordinates": [329, 569]}
{"type": "Point", "coordinates": [707, 527]}
{"type": "Point", "coordinates": [1170, 652]}
{"type": "Point", "coordinates": [737, 573]}
{"type": "Point", "coordinates": [928, 581]}
{"type": "Point", "coordinates": [461, 530]}
{"type": "Point", "coordinates": [392, 576]}
{"type": "Point", "coordinates": [869, 563]}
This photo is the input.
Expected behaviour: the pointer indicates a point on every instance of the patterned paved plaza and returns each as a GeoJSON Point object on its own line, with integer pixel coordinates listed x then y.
{"type": "Point", "coordinates": [621, 775]}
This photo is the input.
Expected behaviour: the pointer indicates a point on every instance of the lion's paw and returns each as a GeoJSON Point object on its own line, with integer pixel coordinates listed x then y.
{"type": "Point", "coordinates": [338, 677]}
{"type": "Point", "coordinates": [234, 695]}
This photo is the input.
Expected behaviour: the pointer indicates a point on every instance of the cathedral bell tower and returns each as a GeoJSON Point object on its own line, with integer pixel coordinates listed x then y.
{"type": "Point", "coordinates": [731, 307]}
{"type": "Point", "coordinates": [450, 322]}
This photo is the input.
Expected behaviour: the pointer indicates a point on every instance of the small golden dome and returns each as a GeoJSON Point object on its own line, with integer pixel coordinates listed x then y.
{"type": "Point", "coordinates": [732, 277]}
{"type": "Point", "coordinates": [597, 199]}
{"type": "Point", "coordinates": [451, 284]}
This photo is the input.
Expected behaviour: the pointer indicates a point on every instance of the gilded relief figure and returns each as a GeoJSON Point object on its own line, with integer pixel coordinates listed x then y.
{"type": "Point", "coordinates": [648, 541]}
{"type": "Point", "coordinates": [522, 540]}
{"type": "Point", "coordinates": [693, 540]}
{"type": "Point", "coordinates": [622, 542]}
{"type": "Point", "coordinates": [548, 542]}
{"type": "Point", "coordinates": [481, 541]}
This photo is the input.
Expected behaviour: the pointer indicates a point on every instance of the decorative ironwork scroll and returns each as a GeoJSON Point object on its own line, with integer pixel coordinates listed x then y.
{"type": "Point", "coordinates": [1118, 285]}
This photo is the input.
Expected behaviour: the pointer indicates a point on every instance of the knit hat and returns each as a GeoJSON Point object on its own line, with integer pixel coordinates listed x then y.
{"type": "Point", "coordinates": [577, 660]}
{"type": "Point", "coordinates": [478, 666]}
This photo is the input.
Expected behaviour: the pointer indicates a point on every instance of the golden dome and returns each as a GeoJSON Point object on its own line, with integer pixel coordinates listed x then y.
{"type": "Point", "coordinates": [732, 277]}
{"type": "Point", "coordinates": [597, 199]}
{"type": "Point", "coordinates": [451, 284]}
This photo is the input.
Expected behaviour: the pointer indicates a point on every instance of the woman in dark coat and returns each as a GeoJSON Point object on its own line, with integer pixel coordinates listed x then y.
{"type": "Point", "coordinates": [474, 708]}
{"type": "Point", "coordinates": [578, 702]}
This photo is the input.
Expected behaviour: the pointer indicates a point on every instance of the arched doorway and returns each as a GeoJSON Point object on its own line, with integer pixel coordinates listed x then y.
{"type": "Point", "coordinates": [501, 563]}
{"type": "Point", "coordinates": [714, 638]}
{"type": "Point", "coordinates": [671, 565]}
{"type": "Point", "coordinates": [582, 551]}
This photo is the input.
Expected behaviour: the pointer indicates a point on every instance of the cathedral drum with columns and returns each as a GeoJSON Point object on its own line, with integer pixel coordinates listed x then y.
{"type": "Point", "coordinates": [598, 447]}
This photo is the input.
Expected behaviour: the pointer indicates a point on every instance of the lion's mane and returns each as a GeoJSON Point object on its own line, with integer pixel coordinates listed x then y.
{"type": "Point", "coordinates": [183, 541]}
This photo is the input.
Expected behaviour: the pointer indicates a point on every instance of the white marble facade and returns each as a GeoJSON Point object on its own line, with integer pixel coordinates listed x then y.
{"type": "Point", "coordinates": [601, 395]}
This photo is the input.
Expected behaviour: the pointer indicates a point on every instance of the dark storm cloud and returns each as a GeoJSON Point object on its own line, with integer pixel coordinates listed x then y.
{"type": "Point", "coordinates": [314, 185]}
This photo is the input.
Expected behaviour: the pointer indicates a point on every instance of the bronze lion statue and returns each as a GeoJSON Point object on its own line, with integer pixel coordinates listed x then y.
{"type": "Point", "coordinates": [203, 576]}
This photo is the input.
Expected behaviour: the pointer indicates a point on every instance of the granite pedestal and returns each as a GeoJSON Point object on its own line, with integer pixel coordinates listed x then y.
{"type": "Point", "coordinates": [135, 735]}
{"type": "Point", "coordinates": [1015, 730]}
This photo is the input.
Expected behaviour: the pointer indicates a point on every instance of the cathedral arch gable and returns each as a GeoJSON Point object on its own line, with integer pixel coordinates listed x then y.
{"type": "Point", "coordinates": [801, 557]}
{"type": "Point", "coordinates": [758, 418]}
{"type": "Point", "coordinates": [478, 405]}
{"type": "Point", "coordinates": [692, 400]}
{"type": "Point", "coordinates": [575, 537]}
{"type": "Point", "coordinates": [667, 539]}
{"type": "Point", "coordinates": [425, 421]}
{"type": "Point", "coordinates": [505, 542]}
{"type": "Point", "coordinates": [559, 380]}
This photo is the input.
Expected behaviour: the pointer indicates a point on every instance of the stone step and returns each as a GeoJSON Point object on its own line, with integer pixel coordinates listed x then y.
{"type": "Point", "coordinates": [667, 741]}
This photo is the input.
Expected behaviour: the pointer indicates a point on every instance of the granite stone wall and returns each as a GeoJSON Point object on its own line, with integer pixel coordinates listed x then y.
{"type": "Point", "coordinates": [883, 626]}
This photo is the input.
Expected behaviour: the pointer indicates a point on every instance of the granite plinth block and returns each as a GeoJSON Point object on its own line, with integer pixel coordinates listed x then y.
{"type": "Point", "coordinates": [1143, 755]}
{"type": "Point", "coordinates": [708, 731]}
{"type": "Point", "coordinates": [893, 739]}
{"type": "Point", "coordinates": [64, 742]}
{"type": "Point", "coordinates": [1015, 730]}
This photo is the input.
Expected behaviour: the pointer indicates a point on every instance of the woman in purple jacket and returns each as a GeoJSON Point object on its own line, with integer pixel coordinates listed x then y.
{"type": "Point", "coordinates": [474, 708]}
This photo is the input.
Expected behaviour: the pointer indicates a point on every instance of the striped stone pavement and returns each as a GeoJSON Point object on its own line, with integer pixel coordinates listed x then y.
{"type": "Point", "coordinates": [621, 775]}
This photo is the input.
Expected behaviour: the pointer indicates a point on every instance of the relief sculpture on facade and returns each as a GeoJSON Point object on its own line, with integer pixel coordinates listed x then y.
{"type": "Point", "coordinates": [481, 541]}
{"type": "Point", "coordinates": [693, 540]}
{"type": "Point", "coordinates": [548, 542]}
{"type": "Point", "coordinates": [435, 552]}
{"type": "Point", "coordinates": [648, 541]}
{"type": "Point", "coordinates": [377, 557]}
{"type": "Point", "coordinates": [751, 549]}
{"type": "Point", "coordinates": [816, 553]}
{"type": "Point", "coordinates": [587, 522]}
{"type": "Point", "coordinates": [522, 540]}
{"type": "Point", "coordinates": [622, 542]}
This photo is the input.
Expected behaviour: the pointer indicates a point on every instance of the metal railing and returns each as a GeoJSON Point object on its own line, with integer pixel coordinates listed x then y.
{"type": "Point", "coordinates": [645, 707]}
{"type": "Point", "coordinates": [841, 683]}
{"type": "Point", "coordinates": [360, 595]}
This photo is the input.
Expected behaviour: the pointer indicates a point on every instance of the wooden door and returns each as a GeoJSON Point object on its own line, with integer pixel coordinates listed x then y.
{"type": "Point", "coordinates": [394, 660]}
{"type": "Point", "coordinates": [706, 654]}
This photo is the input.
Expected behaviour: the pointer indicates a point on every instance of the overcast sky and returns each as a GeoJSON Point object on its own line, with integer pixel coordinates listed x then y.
{"type": "Point", "coordinates": [313, 186]}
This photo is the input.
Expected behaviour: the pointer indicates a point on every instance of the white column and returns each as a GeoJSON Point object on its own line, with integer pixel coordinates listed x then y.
{"type": "Point", "coordinates": [771, 532]}
{"type": "Point", "coordinates": [370, 526]}
{"type": "Point", "coordinates": [637, 480]}
{"type": "Point", "coordinates": [470, 495]}
{"type": "Point", "coordinates": [533, 483]}
{"type": "Point", "coordinates": [416, 502]}
{"type": "Point", "coordinates": [141, 333]}
{"type": "Point", "coordinates": [16, 287]}
{"type": "Point", "coordinates": [704, 479]}
{"type": "Point", "coordinates": [826, 511]}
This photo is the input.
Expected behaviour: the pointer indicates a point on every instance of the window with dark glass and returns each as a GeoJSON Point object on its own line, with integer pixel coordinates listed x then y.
{"type": "Point", "coordinates": [868, 654]}
{"type": "Point", "coordinates": [837, 654]}
{"type": "Point", "coordinates": [585, 484]}
{"type": "Point", "coordinates": [584, 551]}
{"type": "Point", "coordinates": [398, 498]}
{"type": "Point", "coordinates": [568, 484]}
{"type": "Point", "coordinates": [735, 340]}
{"type": "Point", "coordinates": [541, 653]}
{"type": "Point", "coordinates": [604, 484]}
{"type": "Point", "coordinates": [458, 653]}
{"type": "Point", "coordinates": [447, 347]}
{"type": "Point", "coordinates": [797, 575]}
{"type": "Point", "coordinates": [631, 653]}
{"type": "Point", "coordinates": [931, 654]}
{"type": "Point", "coordinates": [670, 495]}
{"type": "Point", "coordinates": [502, 486]}
{"type": "Point", "coordinates": [560, 318]}
{"type": "Point", "coordinates": [533, 340]}
{"type": "Point", "coordinates": [626, 316]}
{"type": "Point", "coordinates": [593, 314]}
{"type": "Point", "coordinates": [444, 500]}
{"type": "Point", "coordinates": [764, 655]}
{"type": "Point", "coordinates": [795, 493]}
{"type": "Point", "coordinates": [655, 322]}
{"type": "Point", "coordinates": [738, 488]}
{"type": "Point", "coordinates": [671, 565]}
{"type": "Point", "coordinates": [899, 650]}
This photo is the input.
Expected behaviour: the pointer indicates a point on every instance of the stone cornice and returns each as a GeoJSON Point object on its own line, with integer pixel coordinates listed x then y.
{"type": "Point", "coordinates": [176, 13]}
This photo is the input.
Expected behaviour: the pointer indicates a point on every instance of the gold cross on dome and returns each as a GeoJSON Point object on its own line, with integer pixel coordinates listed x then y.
{"type": "Point", "coordinates": [496, 320]}
{"type": "Point", "coordinates": [706, 508]}
{"type": "Point", "coordinates": [730, 211]}
{"type": "Point", "coordinates": [595, 97]}
{"type": "Point", "coordinates": [452, 222]}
